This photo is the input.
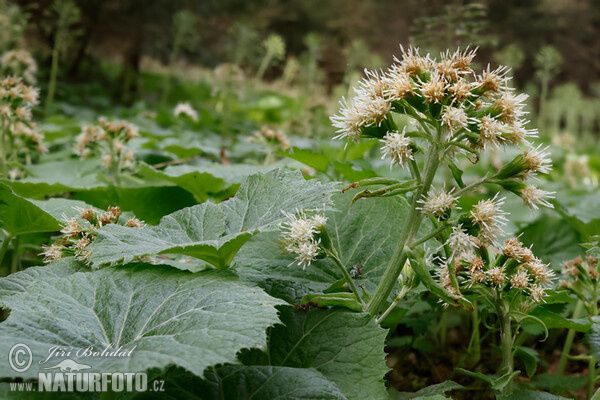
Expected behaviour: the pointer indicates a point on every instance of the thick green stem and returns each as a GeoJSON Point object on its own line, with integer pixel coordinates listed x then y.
{"type": "Point", "coordinates": [569, 341]}
{"type": "Point", "coordinates": [411, 227]}
{"type": "Point", "coordinates": [591, 377]}
{"type": "Point", "coordinates": [474, 350]}
{"type": "Point", "coordinates": [506, 346]}
{"type": "Point", "coordinates": [400, 296]}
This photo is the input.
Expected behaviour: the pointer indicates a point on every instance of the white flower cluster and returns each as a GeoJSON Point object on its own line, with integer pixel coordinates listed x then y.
{"type": "Point", "coordinates": [79, 232]}
{"type": "Point", "coordinates": [271, 136]}
{"type": "Point", "coordinates": [16, 101]}
{"type": "Point", "coordinates": [109, 140]}
{"type": "Point", "coordinates": [185, 109]}
{"type": "Point", "coordinates": [473, 112]}
{"type": "Point", "coordinates": [300, 236]}
{"type": "Point", "coordinates": [513, 267]}
{"type": "Point", "coordinates": [19, 63]}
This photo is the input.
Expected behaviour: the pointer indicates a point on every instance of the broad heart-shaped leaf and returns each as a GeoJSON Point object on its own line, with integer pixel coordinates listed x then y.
{"type": "Point", "coordinates": [365, 234]}
{"type": "Point", "coordinates": [344, 346]}
{"type": "Point", "coordinates": [19, 215]}
{"type": "Point", "coordinates": [214, 233]}
{"type": "Point", "coordinates": [205, 180]}
{"type": "Point", "coordinates": [58, 177]}
{"type": "Point", "coordinates": [166, 316]}
{"type": "Point", "coordinates": [20, 281]}
{"type": "Point", "coordinates": [237, 382]}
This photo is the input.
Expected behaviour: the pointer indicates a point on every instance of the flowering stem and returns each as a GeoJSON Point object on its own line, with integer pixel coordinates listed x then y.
{"type": "Point", "coordinates": [338, 263]}
{"type": "Point", "coordinates": [433, 233]}
{"type": "Point", "coordinates": [399, 297]}
{"type": "Point", "coordinates": [506, 344]}
{"type": "Point", "coordinates": [471, 185]}
{"type": "Point", "coordinates": [411, 228]}
{"type": "Point", "coordinates": [414, 170]}
{"type": "Point", "coordinates": [569, 340]}
{"type": "Point", "coordinates": [474, 349]}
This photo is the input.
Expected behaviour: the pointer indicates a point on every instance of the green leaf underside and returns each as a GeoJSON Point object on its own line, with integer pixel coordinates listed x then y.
{"type": "Point", "coordinates": [268, 382]}
{"type": "Point", "coordinates": [170, 317]}
{"type": "Point", "coordinates": [345, 346]}
{"type": "Point", "coordinates": [210, 232]}
{"type": "Point", "coordinates": [426, 393]}
{"type": "Point", "coordinates": [19, 215]}
{"type": "Point", "coordinates": [364, 234]}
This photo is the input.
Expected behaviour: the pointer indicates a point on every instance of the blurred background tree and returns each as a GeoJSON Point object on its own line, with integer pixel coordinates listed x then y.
{"type": "Point", "coordinates": [331, 41]}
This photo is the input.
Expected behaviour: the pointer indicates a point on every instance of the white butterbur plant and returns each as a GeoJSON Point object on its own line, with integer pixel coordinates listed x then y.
{"type": "Point", "coordinates": [108, 140]}
{"type": "Point", "coordinates": [20, 139]}
{"type": "Point", "coordinates": [306, 237]}
{"type": "Point", "coordinates": [456, 113]}
{"type": "Point", "coordinates": [79, 232]}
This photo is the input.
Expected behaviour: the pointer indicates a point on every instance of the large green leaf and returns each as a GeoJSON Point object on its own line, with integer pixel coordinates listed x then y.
{"type": "Point", "coordinates": [200, 182]}
{"type": "Point", "coordinates": [365, 236]}
{"type": "Point", "coordinates": [553, 240]}
{"type": "Point", "coordinates": [168, 317]}
{"type": "Point", "coordinates": [58, 177]}
{"type": "Point", "coordinates": [214, 233]}
{"type": "Point", "coordinates": [19, 282]}
{"type": "Point", "coordinates": [19, 215]}
{"type": "Point", "coordinates": [344, 346]}
{"type": "Point", "coordinates": [264, 382]}
{"type": "Point", "coordinates": [149, 203]}
{"type": "Point", "coordinates": [429, 392]}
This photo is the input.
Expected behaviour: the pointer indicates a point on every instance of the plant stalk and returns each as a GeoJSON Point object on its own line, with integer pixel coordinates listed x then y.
{"type": "Point", "coordinates": [566, 350]}
{"type": "Point", "coordinates": [409, 232]}
{"type": "Point", "coordinates": [346, 274]}
{"type": "Point", "coordinates": [506, 346]}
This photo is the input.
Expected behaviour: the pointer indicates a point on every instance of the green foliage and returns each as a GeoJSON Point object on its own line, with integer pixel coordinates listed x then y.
{"type": "Point", "coordinates": [154, 310]}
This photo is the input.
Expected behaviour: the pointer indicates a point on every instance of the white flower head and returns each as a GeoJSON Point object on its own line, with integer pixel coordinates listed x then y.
{"type": "Point", "coordinates": [536, 160]}
{"type": "Point", "coordinates": [52, 253]}
{"type": "Point", "coordinates": [487, 213]}
{"type": "Point", "coordinates": [438, 204]}
{"type": "Point", "coordinates": [533, 197]}
{"type": "Point", "coordinates": [299, 228]}
{"type": "Point", "coordinates": [454, 118]}
{"type": "Point", "coordinates": [348, 122]}
{"type": "Point", "coordinates": [490, 132]}
{"type": "Point", "coordinates": [72, 228]}
{"type": "Point", "coordinates": [306, 252]}
{"type": "Point", "coordinates": [520, 280]}
{"type": "Point", "coordinates": [397, 146]}
{"type": "Point", "coordinates": [536, 293]}
{"type": "Point", "coordinates": [461, 242]}
{"type": "Point", "coordinates": [497, 276]}
{"type": "Point", "coordinates": [185, 109]}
